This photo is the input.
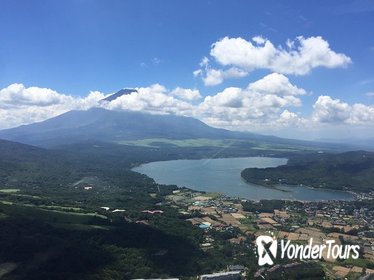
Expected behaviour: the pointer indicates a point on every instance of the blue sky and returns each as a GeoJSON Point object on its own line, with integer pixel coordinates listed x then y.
{"type": "Point", "coordinates": [75, 47]}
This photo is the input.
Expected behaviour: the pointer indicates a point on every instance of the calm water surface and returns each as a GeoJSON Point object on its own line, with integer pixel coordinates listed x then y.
{"type": "Point", "coordinates": [223, 176]}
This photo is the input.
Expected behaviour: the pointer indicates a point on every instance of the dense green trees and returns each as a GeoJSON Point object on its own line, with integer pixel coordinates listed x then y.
{"type": "Point", "coordinates": [54, 229]}
{"type": "Point", "coordinates": [349, 171]}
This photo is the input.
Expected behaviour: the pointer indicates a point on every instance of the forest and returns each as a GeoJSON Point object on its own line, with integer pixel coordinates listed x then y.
{"type": "Point", "coordinates": [53, 224]}
{"type": "Point", "coordinates": [352, 171]}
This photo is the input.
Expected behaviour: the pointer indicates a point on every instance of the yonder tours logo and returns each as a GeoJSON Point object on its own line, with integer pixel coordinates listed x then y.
{"type": "Point", "coordinates": [268, 251]}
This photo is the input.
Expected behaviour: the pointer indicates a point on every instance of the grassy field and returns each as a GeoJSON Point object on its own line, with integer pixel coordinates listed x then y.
{"type": "Point", "coordinates": [54, 214]}
{"type": "Point", "coordinates": [63, 208]}
{"type": "Point", "coordinates": [283, 147]}
{"type": "Point", "coordinates": [199, 142]}
{"type": "Point", "coordinates": [217, 143]}
{"type": "Point", "coordinates": [9, 191]}
{"type": "Point", "coordinates": [6, 268]}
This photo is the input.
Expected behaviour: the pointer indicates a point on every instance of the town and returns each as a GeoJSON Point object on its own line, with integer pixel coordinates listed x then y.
{"type": "Point", "coordinates": [346, 222]}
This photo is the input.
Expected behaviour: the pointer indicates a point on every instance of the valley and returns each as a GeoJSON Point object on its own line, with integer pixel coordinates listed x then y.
{"type": "Point", "coordinates": [72, 207]}
{"type": "Point", "coordinates": [86, 193]}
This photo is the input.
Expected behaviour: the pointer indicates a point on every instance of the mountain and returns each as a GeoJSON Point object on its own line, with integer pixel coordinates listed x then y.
{"type": "Point", "coordinates": [111, 126]}
{"type": "Point", "coordinates": [98, 124]}
{"type": "Point", "coordinates": [125, 91]}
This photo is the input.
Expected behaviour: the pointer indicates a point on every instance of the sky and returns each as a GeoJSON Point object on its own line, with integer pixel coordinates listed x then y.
{"type": "Point", "coordinates": [297, 69]}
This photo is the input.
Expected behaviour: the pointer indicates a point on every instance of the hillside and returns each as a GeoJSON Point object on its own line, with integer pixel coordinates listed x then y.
{"type": "Point", "coordinates": [349, 171]}
{"type": "Point", "coordinates": [104, 125]}
{"type": "Point", "coordinates": [53, 227]}
{"type": "Point", "coordinates": [101, 125]}
{"type": "Point", "coordinates": [29, 167]}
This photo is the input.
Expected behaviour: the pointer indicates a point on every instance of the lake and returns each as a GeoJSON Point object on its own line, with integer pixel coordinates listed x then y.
{"type": "Point", "coordinates": [223, 176]}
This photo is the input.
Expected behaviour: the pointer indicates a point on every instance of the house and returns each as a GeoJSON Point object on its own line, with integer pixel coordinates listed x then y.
{"type": "Point", "coordinates": [236, 267]}
{"type": "Point", "coordinates": [232, 275]}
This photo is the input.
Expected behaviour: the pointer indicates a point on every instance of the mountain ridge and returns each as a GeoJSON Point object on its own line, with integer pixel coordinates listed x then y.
{"type": "Point", "coordinates": [99, 124]}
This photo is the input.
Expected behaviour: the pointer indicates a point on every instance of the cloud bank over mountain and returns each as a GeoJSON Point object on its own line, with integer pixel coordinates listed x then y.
{"type": "Point", "coordinates": [268, 104]}
{"type": "Point", "coordinates": [271, 104]}
{"type": "Point", "coordinates": [23, 105]}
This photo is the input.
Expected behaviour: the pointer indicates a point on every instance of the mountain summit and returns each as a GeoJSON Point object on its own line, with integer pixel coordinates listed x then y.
{"type": "Point", "coordinates": [125, 91]}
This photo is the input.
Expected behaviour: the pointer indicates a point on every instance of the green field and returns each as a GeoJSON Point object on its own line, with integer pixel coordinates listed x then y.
{"type": "Point", "coordinates": [48, 215]}
{"type": "Point", "coordinates": [217, 143]}
{"type": "Point", "coordinates": [9, 190]}
{"type": "Point", "coordinates": [199, 142]}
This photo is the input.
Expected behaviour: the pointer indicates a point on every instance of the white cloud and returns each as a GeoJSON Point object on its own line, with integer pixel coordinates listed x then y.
{"type": "Point", "coordinates": [334, 111]}
{"type": "Point", "coordinates": [155, 99]}
{"type": "Point", "coordinates": [276, 84]}
{"type": "Point", "coordinates": [186, 93]}
{"type": "Point", "coordinates": [310, 53]}
{"type": "Point", "coordinates": [261, 105]}
{"type": "Point", "coordinates": [242, 53]}
{"type": "Point", "coordinates": [298, 58]}
{"type": "Point", "coordinates": [17, 94]}
{"type": "Point", "coordinates": [21, 105]}
{"type": "Point", "coordinates": [328, 110]}
{"type": "Point", "coordinates": [259, 40]}
{"type": "Point", "coordinates": [215, 77]}
{"type": "Point", "coordinates": [361, 114]}
{"type": "Point", "coordinates": [204, 62]}
{"type": "Point", "coordinates": [212, 77]}
{"type": "Point", "coordinates": [287, 119]}
{"type": "Point", "coordinates": [267, 106]}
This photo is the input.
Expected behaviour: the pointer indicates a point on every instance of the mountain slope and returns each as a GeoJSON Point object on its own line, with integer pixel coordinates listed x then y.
{"type": "Point", "coordinates": [104, 125]}
{"type": "Point", "coordinates": [97, 124]}
{"type": "Point", "coordinates": [28, 167]}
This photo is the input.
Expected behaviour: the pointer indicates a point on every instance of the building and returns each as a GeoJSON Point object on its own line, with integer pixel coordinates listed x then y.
{"type": "Point", "coordinates": [236, 267]}
{"type": "Point", "coordinates": [232, 275]}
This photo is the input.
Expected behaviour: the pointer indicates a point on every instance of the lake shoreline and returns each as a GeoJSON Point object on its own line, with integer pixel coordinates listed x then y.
{"type": "Point", "coordinates": [223, 175]}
